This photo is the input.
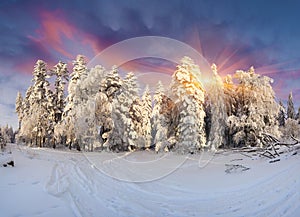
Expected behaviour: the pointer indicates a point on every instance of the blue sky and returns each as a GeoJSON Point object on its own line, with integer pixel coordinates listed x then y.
{"type": "Point", "coordinates": [232, 34]}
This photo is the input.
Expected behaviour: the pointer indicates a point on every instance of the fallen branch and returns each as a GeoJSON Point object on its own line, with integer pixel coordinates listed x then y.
{"type": "Point", "coordinates": [275, 150]}
{"type": "Point", "coordinates": [273, 161]}
{"type": "Point", "coordinates": [271, 137]}
{"type": "Point", "coordinates": [238, 159]}
{"type": "Point", "coordinates": [245, 155]}
{"type": "Point", "coordinates": [296, 140]}
{"type": "Point", "coordinates": [272, 148]}
{"type": "Point", "coordinates": [264, 154]}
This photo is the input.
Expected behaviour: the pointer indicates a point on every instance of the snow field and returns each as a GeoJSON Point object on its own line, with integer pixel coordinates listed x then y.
{"type": "Point", "coordinates": [49, 182]}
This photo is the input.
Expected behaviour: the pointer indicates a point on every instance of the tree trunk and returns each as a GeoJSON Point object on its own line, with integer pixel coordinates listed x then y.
{"type": "Point", "coordinates": [36, 140]}
{"type": "Point", "coordinates": [53, 143]}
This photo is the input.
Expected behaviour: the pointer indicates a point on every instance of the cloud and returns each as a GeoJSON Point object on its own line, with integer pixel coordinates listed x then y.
{"type": "Point", "coordinates": [234, 34]}
{"type": "Point", "coordinates": [59, 37]}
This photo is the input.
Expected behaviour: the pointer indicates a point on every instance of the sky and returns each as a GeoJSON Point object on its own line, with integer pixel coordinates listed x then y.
{"type": "Point", "coordinates": [233, 34]}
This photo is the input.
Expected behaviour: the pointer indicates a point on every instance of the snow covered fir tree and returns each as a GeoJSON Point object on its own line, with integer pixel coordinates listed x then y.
{"type": "Point", "coordinates": [97, 109]}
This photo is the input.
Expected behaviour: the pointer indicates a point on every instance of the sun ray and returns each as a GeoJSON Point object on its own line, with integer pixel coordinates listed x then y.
{"type": "Point", "coordinates": [195, 40]}
{"type": "Point", "coordinates": [239, 64]}
{"type": "Point", "coordinates": [226, 56]}
{"type": "Point", "coordinates": [277, 68]}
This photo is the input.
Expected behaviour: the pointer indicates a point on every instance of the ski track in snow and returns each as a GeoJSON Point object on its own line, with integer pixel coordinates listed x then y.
{"type": "Point", "coordinates": [265, 190]}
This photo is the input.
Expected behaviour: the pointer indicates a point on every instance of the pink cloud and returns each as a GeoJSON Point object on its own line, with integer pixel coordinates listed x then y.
{"type": "Point", "coordinates": [63, 39]}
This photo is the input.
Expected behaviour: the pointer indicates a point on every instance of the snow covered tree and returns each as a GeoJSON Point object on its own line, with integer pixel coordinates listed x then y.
{"type": "Point", "coordinates": [230, 104]}
{"type": "Point", "coordinates": [50, 138]}
{"type": "Point", "coordinates": [92, 84]}
{"type": "Point", "coordinates": [2, 142]}
{"type": "Point", "coordinates": [256, 110]}
{"type": "Point", "coordinates": [216, 101]}
{"type": "Point", "coordinates": [61, 73]}
{"type": "Point", "coordinates": [87, 90]}
{"type": "Point", "coordinates": [230, 95]}
{"type": "Point", "coordinates": [298, 116]}
{"type": "Point", "coordinates": [7, 134]}
{"type": "Point", "coordinates": [135, 129]}
{"type": "Point", "coordinates": [35, 121]}
{"type": "Point", "coordinates": [291, 129]}
{"type": "Point", "coordinates": [19, 108]}
{"type": "Point", "coordinates": [27, 101]}
{"type": "Point", "coordinates": [40, 101]}
{"type": "Point", "coordinates": [103, 111]}
{"type": "Point", "coordinates": [160, 132]}
{"type": "Point", "coordinates": [208, 116]}
{"type": "Point", "coordinates": [85, 130]}
{"type": "Point", "coordinates": [24, 132]}
{"type": "Point", "coordinates": [281, 114]}
{"type": "Point", "coordinates": [126, 113]}
{"type": "Point", "coordinates": [133, 125]}
{"type": "Point", "coordinates": [290, 107]}
{"type": "Point", "coordinates": [109, 88]}
{"type": "Point", "coordinates": [79, 69]}
{"type": "Point", "coordinates": [188, 95]}
{"type": "Point", "coordinates": [111, 84]}
{"type": "Point", "coordinates": [146, 118]}
{"type": "Point", "coordinates": [56, 101]}
{"type": "Point", "coordinates": [68, 123]}
{"type": "Point", "coordinates": [162, 119]}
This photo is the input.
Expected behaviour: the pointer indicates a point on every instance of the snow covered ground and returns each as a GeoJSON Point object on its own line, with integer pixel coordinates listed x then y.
{"type": "Point", "coordinates": [46, 182]}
